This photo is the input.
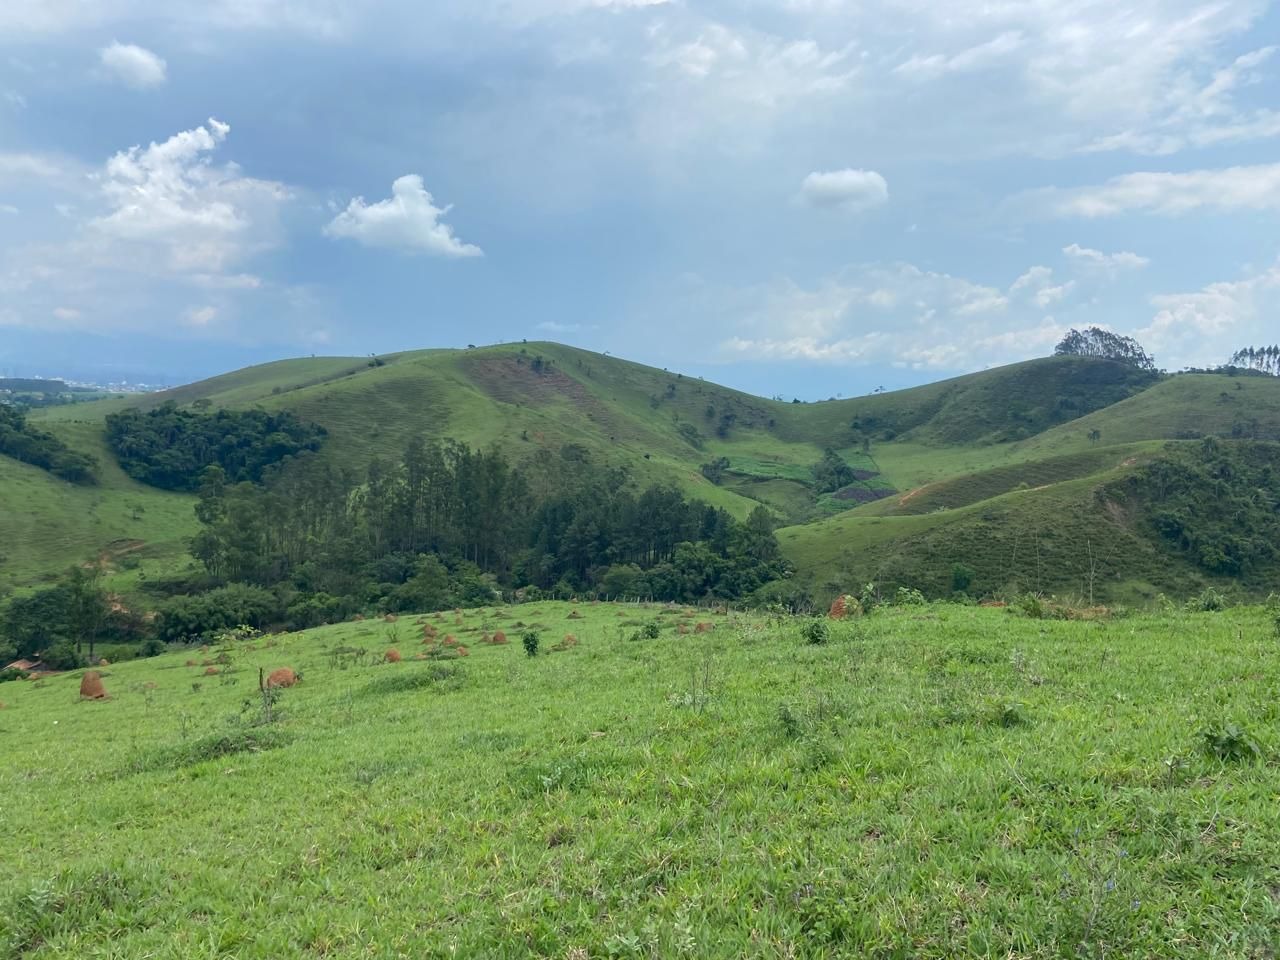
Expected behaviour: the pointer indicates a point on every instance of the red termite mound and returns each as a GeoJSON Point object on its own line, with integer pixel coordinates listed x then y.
{"type": "Point", "coordinates": [91, 687]}
{"type": "Point", "coordinates": [392, 656]}
{"type": "Point", "coordinates": [284, 677]}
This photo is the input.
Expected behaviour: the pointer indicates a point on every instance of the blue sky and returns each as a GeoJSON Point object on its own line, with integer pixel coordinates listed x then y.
{"type": "Point", "coordinates": [796, 197]}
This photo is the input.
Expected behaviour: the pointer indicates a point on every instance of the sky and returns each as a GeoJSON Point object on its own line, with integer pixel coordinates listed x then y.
{"type": "Point", "coordinates": [803, 198]}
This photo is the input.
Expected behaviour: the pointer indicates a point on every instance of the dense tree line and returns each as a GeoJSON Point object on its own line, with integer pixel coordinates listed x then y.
{"type": "Point", "coordinates": [24, 442]}
{"type": "Point", "coordinates": [170, 448]}
{"type": "Point", "coordinates": [1217, 502]}
{"type": "Point", "coordinates": [1096, 342]}
{"type": "Point", "coordinates": [1262, 359]}
{"type": "Point", "coordinates": [446, 521]}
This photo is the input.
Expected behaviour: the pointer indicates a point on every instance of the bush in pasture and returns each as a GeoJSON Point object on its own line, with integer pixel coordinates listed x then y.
{"type": "Point", "coordinates": [908, 597]}
{"type": "Point", "coordinates": [816, 631]}
{"type": "Point", "coordinates": [152, 647]}
{"type": "Point", "coordinates": [530, 639]}
{"type": "Point", "coordinates": [961, 578]}
{"type": "Point", "coordinates": [187, 619]}
{"type": "Point", "coordinates": [63, 656]}
{"type": "Point", "coordinates": [13, 673]}
{"type": "Point", "coordinates": [1209, 601]}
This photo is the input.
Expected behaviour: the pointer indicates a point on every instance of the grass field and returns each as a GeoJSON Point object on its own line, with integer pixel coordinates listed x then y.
{"type": "Point", "coordinates": [935, 781]}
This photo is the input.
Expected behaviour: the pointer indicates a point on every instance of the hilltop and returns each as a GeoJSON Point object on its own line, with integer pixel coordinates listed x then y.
{"type": "Point", "coordinates": [959, 472]}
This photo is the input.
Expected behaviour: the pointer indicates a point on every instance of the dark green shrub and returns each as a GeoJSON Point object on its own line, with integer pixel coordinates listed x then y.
{"type": "Point", "coordinates": [908, 597]}
{"type": "Point", "coordinates": [816, 631]}
{"type": "Point", "coordinates": [206, 614]}
{"type": "Point", "coordinates": [1230, 742]}
{"type": "Point", "coordinates": [530, 639]}
{"type": "Point", "coordinates": [63, 656]}
{"type": "Point", "coordinates": [152, 647]}
{"type": "Point", "coordinates": [13, 673]}
{"type": "Point", "coordinates": [1209, 601]}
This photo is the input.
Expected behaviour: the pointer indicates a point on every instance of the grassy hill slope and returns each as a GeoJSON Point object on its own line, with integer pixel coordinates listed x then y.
{"type": "Point", "coordinates": [47, 524]}
{"type": "Point", "coordinates": [966, 441]}
{"type": "Point", "coordinates": [935, 782]}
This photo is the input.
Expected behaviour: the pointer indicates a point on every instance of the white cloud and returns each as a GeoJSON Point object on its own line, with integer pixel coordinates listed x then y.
{"type": "Point", "coordinates": [1219, 317]}
{"type": "Point", "coordinates": [132, 240]}
{"type": "Point", "coordinates": [408, 221]}
{"type": "Point", "coordinates": [199, 316]}
{"type": "Point", "coordinates": [1037, 285]}
{"type": "Point", "coordinates": [1123, 260]}
{"type": "Point", "coordinates": [201, 218]}
{"type": "Point", "coordinates": [851, 191]}
{"type": "Point", "coordinates": [741, 67]}
{"type": "Point", "coordinates": [887, 313]}
{"type": "Point", "coordinates": [1232, 189]}
{"type": "Point", "coordinates": [1202, 114]}
{"type": "Point", "coordinates": [28, 166]}
{"type": "Point", "coordinates": [133, 66]}
{"type": "Point", "coordinates": [973, 58]}
{"type": "Point", "coordinates": [8, 208]}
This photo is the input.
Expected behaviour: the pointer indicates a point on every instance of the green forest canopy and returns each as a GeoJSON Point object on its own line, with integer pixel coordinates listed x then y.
{"type": "Point", "coordinates": [170, 448]}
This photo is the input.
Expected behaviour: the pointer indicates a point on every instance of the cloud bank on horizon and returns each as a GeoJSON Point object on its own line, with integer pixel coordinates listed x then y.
{"type": "Point", "coordinates": [787, 195]}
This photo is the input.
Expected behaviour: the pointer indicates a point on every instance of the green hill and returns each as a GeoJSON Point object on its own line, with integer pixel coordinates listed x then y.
{"type": "Point", "coordinates": [964, 471]}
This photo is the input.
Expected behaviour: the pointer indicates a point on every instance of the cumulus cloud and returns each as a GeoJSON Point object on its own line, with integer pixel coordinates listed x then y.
{"type": "Point", "coordinates": [1232, 189]}
{"type": "Point", "coordinates": [134, 238]}
{"type": "Point", "coordinates": [1219, 316]}
{"type": "Point", "coordinates": [848, 190]}
{"type": "Point", "coordinates": [200, 217]}
{"type": "Point", "coordinates": [408, 221]}
{"type": "Point", "coordinates": [1111, 262]}
{"type": "Point", "coordinates": [133, 66]}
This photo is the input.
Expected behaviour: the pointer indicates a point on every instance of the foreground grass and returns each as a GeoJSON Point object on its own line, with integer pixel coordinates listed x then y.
{"type": "Point", "coordinates": [933, 782]}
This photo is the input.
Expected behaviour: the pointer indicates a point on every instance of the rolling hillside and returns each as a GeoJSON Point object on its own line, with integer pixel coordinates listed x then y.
{"type": "Point", "coordinates": [972, 468]}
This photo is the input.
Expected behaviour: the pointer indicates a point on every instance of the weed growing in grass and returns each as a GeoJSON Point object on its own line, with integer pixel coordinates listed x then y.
{"type": "Point", "coordinates": [1229, 743]}
{"type": "Point", "coordinates": [212, 746]}
{"type": "Point", "coordinates": [1006, 713]}
{"type": "Point", "coordinates": [347, 657]}
{"type": "Point", "coordinates": [76, 904]}
{"type": "Point", "coordinates": [1025, 669]}
{"type": "Point", "coordinates": [703, 685]}
{"type": "Point", "coordinates": [1096, 883]}
{"type": "Point", "coordinates": [439, 676]}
